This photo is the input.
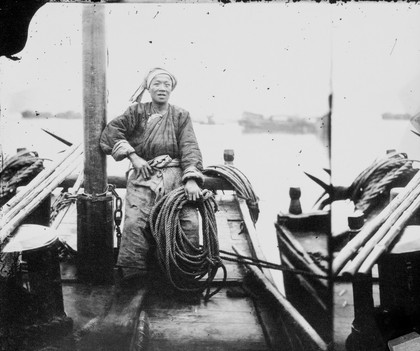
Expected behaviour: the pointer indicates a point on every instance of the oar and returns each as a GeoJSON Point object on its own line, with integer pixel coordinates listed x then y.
{"type": "Point", "coordinates": [415, 132]}
{"type": "Point", "coordinates": [68, 143]}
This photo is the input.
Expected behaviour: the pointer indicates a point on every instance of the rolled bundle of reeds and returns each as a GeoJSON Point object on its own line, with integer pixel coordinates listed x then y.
{"type": "Point", "coordinates": [391, 220]}
{"type": "Point", "coordinates": [16, 171]}
{"type": "Point", "coordinates": [21, 205]}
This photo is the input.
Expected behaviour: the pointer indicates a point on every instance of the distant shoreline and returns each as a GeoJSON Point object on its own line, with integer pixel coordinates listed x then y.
{"type": "Point", "coordinates": [396, 117]}
{"type": "Point", "coordinates": [28, 114]}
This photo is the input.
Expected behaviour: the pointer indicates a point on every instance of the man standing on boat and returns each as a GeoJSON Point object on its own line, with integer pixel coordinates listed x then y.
{"type": "Point", "coordinates": [160, 142]}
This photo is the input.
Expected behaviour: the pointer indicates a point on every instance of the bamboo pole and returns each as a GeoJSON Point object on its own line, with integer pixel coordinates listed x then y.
{"type": "Point", "coordinates": [20, 216]}
{"type": "Point", "coordinates": [380, 233]}
{"type": "Point", "coordinates": [31, 191]}
{"type": "Point", "coordinates": [310, 336]}
{"type": "Point", "coordinates": [38, 179]}
{"type": "Point", "coordinates": [367, 231]}
{"type": "Point", "coordinates": [387, 240]}
{"type": "Point", "coordinates": [78, 183]}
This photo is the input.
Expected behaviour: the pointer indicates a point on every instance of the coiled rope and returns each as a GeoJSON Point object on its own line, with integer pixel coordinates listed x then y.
{"type": "Point", "coordinates": [183, 263]}
{"type": "Point", "coordinates": [240, 183]}
{"type": "Point", "coordinates": [379, 177]}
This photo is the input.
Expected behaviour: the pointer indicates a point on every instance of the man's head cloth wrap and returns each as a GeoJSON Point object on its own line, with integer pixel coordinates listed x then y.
{"type": "Point", "coordinates": [148, 80]}
{"type": "Point", "coordinates": [155, 72]}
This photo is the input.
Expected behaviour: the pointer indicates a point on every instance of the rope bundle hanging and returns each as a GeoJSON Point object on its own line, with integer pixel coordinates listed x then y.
{"type": "Point", "coordinates": [16, 171]}
{"type": "Point", "coordinates": [240, 183]}
{"type": "Point", "coordinates": [183, 263]}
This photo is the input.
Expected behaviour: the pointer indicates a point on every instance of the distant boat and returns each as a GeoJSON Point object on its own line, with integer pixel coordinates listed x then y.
{"type": "Point", "coordinates": [396, 116]}
{"type": "Point", "coordinates": [252, 122]}
{"type": "Point", "coordinates": [210, 120]}
{"type": "Point", "coordinates": [46, 115]}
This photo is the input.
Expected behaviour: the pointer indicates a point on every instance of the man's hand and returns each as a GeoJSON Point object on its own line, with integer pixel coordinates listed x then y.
{"type": "Point", "coordinates": [141, 165]}
{"type": "Point", "coordinates": [192, 190]}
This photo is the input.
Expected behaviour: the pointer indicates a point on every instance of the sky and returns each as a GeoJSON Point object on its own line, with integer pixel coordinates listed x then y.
{"type": "Point", "coordinates": [376, 69]}
{"type": "Point", "coordinates": [265, 58]}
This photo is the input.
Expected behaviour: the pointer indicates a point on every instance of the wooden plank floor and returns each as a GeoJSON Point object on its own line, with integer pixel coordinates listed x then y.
{"type": "Point", "coordinates": [230, 232]}
{"type": "Point", "coordinates": [222, 323]}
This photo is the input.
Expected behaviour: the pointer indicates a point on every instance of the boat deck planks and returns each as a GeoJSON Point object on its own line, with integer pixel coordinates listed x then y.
{"type": "Point", "coordinates": [222, 323]}
{"type": "Point", "coordinates": [230, 232]}
{"type": "Point", "coordinates": [83, 303]}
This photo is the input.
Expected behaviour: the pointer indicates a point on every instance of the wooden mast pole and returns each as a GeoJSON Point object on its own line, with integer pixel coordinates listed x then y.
{"type": "Point", "coordinates": [94, 208]}
{"type": "Point", "coordinates": [94, 96]}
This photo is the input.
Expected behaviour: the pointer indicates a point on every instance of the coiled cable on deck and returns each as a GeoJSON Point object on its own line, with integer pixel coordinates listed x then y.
{"type": "Point", "coordinates": [183, 263]}
{"type": "Point", "coordinates": [240, 183]}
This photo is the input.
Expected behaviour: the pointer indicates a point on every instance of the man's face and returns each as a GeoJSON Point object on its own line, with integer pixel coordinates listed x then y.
{"type": "Point", "coordinates": [160, 88]}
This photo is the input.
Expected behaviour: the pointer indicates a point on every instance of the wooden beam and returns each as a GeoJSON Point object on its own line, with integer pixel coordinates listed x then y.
{"type": "Point", "coordinates": [94, 208]}
{"type": "Point", "coordinates": [211, 183]}
{"type": "Point", "coordinates": [94, 96]}
{"type": "Point", "coordinates": [253, 236]}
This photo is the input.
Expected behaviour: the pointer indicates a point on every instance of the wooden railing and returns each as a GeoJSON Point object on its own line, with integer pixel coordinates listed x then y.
{"type": "Point", "coordinates": [211, 183]}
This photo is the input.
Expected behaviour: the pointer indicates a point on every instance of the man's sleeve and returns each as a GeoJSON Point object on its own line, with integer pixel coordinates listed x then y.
{"type": "Point", "coordinates": [114, 138]}
{"type": "Point", "coordinates": [191, 158]}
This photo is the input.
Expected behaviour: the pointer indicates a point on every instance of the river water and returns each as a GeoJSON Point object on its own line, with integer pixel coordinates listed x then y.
{"type": "Point", "coordinates": [273, 162]}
